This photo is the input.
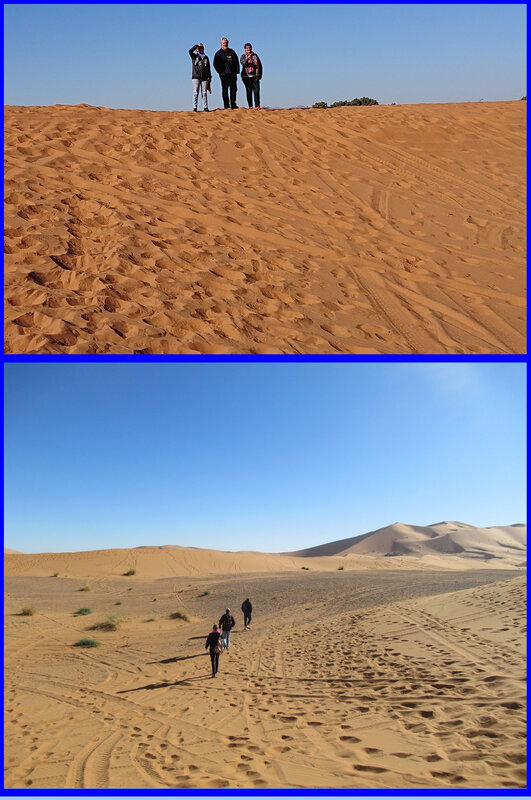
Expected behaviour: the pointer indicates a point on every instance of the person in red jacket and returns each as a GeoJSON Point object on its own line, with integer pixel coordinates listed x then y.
{"type": "Point", "coordinates": [251, 75]}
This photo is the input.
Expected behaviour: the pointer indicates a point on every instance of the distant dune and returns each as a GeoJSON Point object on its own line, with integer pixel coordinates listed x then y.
{"type": "Point", "coordinates": [7, 550]}
{"type": "Point", "coordinates": [445, 545]}
{"type": "Point", "coordinates": [503, 545]}
{"type": "Point", "coordinates": [384, 229]}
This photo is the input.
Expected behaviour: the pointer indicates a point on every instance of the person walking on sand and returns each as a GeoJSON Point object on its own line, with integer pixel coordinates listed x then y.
{"type": "Point", "coordinates": [214, 643]}
{"type": "Point", "coordinates": [251, 75]}
{"type": "Point", "coordinates": [247, 608]}
{"type": "Point", "coordinates": [201, 74]}
{"type": "Point", "coordinates": [227, 66]}
{"type": "Point", "coordinates": [226, 623]}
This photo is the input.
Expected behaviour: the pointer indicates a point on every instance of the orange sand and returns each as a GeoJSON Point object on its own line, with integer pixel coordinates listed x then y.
{"type": "Point", "coordinates": [386, 229]}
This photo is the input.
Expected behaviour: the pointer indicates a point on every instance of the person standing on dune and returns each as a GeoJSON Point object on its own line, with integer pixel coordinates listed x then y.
{"type": "Point", "coordinates": [201, 74]}
{"type": "Point", "coordinates": [251, 75]}
{"type": "Point", "coordinates": [247, 610]}
{"type": "Point", "coordinates": [227, 66]}
{"type": "Point", "coordinates": [214, 643]}
{"type": "Point", "coordinates": [226, 623]}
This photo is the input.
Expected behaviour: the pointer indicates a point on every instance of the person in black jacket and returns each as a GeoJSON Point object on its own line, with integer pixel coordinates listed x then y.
{"type": "Point", "coordinates": [227, 66]}
{"type": "Point", "coordinates": [226, 623]}
{"type": "Point", "coordinates": [247, 609]}
{"type": "Point", "coordinates": [213, 642]}
{"type": "Point", "coordinates": [251, 75]}
{"type": "Point", "coordinates": [201, 74]}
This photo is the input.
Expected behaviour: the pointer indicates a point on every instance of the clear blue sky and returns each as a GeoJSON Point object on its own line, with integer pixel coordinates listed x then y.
{"type": "Point", "coordinates": [266, 457]}
{"type": "Point", "coordinates": [136, 55]}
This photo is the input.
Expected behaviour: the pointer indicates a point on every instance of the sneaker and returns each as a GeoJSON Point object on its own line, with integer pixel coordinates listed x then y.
{"type": "Point", "coordinates": [194, 109]}
{"type": "Point", "coordinates": [206, 109]}
{"type": "Point", "coordinates": [250, 108]}
{"type": "Point", "coordinates": [233, 107]}
{"type": "Point", "coordinates": [258, 108]}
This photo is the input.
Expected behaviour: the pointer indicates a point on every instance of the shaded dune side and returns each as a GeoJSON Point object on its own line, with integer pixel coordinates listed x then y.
{"type": "Point", "coordinates": [353, 230]}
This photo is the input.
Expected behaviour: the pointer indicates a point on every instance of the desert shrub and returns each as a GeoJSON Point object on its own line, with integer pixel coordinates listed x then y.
{"type": "Point", "coordinates": [81, 612]}
{"type": "Point", "coordinates": [180, 614]}
{"type": "Point", "coordinates": [305, 567]}
{"type": "Point", "coordinates": [130, 572]}
{"type": "Point", "coordinates": [55, 575]}
{"type": "Point", "coordinates": [357, 101]}
{"type": "Point", "coordinates": [85, 589]}
{"type": "Point", "coordinates": [87, 643]}
{"type": "Point", "coordinates": [151, 619]}
{"type": "Point", "coordinates": [341, 567]}
{"type": "Point", "coordinates": [27, 612]}
{"type": "Point", "coordinates": [112, 623]}
{"type": "Point", "coordinates": [130, 589]}
{"type": "Point", "coordinates": [204, 594]}
{"type": "Point", "coordinates": [118, 603]}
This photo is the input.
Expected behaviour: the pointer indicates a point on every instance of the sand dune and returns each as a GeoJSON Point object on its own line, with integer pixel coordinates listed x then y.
{"type": "Point", "coordinates": [353, 230]}
{"type": "Point", "coordinates": [505, 545]}
{"type": "Point", "coordinates": [345, 680]}
{"type": "Point", "coordinates": [447, 545]}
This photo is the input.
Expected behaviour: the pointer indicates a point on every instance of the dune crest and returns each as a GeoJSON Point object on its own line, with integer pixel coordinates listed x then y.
{"type": "Point", "coordinates": [505, 545]}
{"type": "Point", "coordinates": [383, 229]}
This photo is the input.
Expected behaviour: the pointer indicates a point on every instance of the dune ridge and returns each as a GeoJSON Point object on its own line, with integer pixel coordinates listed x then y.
{"type": "Point", "coordinates": [505, 544]}
{"type": "Point", "coordinates": [444, 545]}
{"type": "Point", "coordinates": [383, 229]}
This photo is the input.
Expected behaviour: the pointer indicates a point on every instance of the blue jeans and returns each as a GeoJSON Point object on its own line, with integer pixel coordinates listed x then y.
{"type": "Point", "coordinates": [203, 85]}
{"type": "Point", "coordinates": [225, 636]}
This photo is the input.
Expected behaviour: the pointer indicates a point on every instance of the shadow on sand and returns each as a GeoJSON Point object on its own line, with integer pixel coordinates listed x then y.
{"type": "Point", "coordinates": [163, 685]}
{"type": "Point", "coordinates": [178, 658]}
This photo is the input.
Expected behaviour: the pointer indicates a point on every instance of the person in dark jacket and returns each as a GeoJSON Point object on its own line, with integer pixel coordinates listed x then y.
{"type": "Point", "coordinates": [201, 74]}
{"type": "Point", "coordinates": [213, 642]}
{"type": "Point", "coordinates": [227, 66]}
{"type": "Point", "coordinates": [226, 623]}
{"type": "Point", "coordinates": [251, 75]}
{"type": "Point", "coordinates": [247, 609]}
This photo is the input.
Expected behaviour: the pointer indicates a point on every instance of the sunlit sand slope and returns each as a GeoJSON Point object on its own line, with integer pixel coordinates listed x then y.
{"type": "Point", "coordinates": [384, 229]}
{"type": "Point", "coordinates": [344, 680]}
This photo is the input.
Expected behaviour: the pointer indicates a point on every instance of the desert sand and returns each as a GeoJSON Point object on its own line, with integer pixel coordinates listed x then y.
{"type": "Point", "coordinates": [382, 229]}
{"type": "Point", "coordinates": [359, 677]}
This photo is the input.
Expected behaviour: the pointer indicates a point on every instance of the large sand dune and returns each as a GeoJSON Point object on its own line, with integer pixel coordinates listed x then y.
{"type": "Point", "coordinates": [502, 546]}
{"type": "Point", "coordinates": [345, 680]}
{"type": "Point", "coordinates": [353, 230]}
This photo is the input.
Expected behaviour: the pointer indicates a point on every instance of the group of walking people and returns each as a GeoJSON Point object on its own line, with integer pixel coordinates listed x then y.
{"type": "Point", "coordinates": [227, 66]}
{"type": "Point", "coordinates": [218, 640]}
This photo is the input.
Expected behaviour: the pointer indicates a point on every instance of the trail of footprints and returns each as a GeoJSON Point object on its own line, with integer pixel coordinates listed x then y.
{"type": "Point", "coordinates": [108, 249]}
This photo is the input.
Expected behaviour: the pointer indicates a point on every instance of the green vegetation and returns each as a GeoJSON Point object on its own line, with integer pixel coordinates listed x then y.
{"type": "Point", "coordinates": [81, 612]}
{"type": "Point", "coordinates": [27, 612]}
{"type": "Point", "coordinates": [358, 101]}
{"type": "Point", "coordinates": [55, 575]}
{"type": "Point", "coordinates": [87, 643]}
{"type": "Point", "coordinates": [118, 603]}
{"type": "Point", "coordinates": [85, 589]}
{"type": "Point", "coordinates": [204, 594]}
{"type": "Point", "coordinates": [112, 623]}
{"type": "Point", "coordinates": [130, 572]}
{"type": "Point", "coordinates": [180, 614]}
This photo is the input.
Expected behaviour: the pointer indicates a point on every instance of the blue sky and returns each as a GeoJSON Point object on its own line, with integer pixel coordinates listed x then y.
{"type": "Point", "coordinates": [136, 55]}
{"type": "Point", "coordinates": [261, 456]}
